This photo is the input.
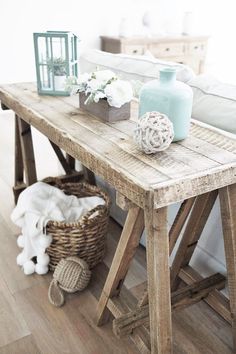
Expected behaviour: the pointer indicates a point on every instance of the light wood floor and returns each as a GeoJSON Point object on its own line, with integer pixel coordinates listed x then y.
{"type": "Point", "coordinates": [29, 324]}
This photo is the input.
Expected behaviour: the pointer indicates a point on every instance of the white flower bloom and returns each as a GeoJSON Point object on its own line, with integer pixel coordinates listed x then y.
{"type": "Point", "coordinates": [94, 85]}
{"type": "Point", "coordinates": [104, 75]}
{"type": "Point", "coordinates": [83, 78]}
{"type": "Point", "coordinates": [118, 93]}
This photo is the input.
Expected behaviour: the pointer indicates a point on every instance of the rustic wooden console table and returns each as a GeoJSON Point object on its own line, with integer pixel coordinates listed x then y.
{"type": "Point", "coordinates": [193, 171]}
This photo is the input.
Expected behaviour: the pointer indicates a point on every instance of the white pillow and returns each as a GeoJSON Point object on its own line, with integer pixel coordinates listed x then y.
{"type": "Point", "coordinates": [136, 69]}
{"type": "Point", "coordinates": [214, 102]}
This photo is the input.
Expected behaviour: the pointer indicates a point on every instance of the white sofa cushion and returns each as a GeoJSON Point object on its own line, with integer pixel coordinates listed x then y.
{"type": "Point", "coordinates": [214, 102]}
{"type": "Point", "coordinates": [136, 69]}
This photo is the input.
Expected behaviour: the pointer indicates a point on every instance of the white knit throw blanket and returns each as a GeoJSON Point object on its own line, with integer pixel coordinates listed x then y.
{"type": "Point", "coordinates": [37, 205]}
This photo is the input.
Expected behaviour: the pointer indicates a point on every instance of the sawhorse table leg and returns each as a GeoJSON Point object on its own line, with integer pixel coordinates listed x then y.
{"type": "Point", "coordinates": [24, 157]}
{"type": "Point", "coordinates": [158, 275]}
{"type": "Point", "coordinates": [125, 251]}
{"type": "Point", "coordinates": [228, 214]}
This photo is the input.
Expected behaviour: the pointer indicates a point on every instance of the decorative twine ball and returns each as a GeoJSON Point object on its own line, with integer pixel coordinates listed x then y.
{"type": "Point", "coordinates": [71, 274]}
{"type": "Point", "coordinates": [154, 132]}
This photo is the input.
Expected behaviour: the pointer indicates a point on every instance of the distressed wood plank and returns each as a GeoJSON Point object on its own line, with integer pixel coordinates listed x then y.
{"type": "Point", "coordinates": [217, 148]}
{"type": "Point", "coordinates": [228, 213]}
{"type": "Point", "coordinates": [139, 336]}
{"type": "Point", "coordinates": [180, 299]}
{"type": "Point", "coordinates": [123, 202]}
{"type": "Point", "coordinates": [89, 176]}
{"type": "Point", "coordinates": [174, 233]}
{"type": "Point", "coordinates": [198, 218]}
{"type": "Point", "coordinates": [158, 281]}
{"type": "Point", "coordinates": [215, 299]}
{"type": "Point", "coordinates": [19, 168]}
{"type": "Point", "coordinates": [179, 221]}
{"type": "Point", "coordinates": [210, 134]}
{"type": "Point", "coordinates": [19, 184]}
{"type": "Point", "coordinates": [71, 161]}
{"type": "Point", "coordinates": [166, 192]}
{"type": "Point", "coordinates": [126, 248]}
{"type": "Point", "coordinates": [214, 152]}
{"type": "Point", "coordinates": [27, 151]}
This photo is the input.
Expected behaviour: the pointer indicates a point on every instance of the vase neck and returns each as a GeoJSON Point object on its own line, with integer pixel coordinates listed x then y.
{"type": "Point", "coordinates": [167, 75]}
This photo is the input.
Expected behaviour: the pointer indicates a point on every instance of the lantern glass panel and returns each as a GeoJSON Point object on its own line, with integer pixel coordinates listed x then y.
{"type": "Point", "coordinates": [46, 78]}
{"type": "Point", "coordinates": [56, 59]}
{"type": "Point", "coordinates": [58, 48]}
{"type": "Point", "coordinates": [44, 50]}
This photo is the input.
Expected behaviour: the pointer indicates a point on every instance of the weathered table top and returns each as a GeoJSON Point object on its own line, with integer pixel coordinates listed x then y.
{"type": "Point", "coordinates": [205, 161]}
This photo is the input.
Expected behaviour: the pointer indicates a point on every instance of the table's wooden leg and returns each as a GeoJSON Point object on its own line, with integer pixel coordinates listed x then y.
{"type": "Point", "coordinates": [228, 212]}
{"type": "Point", "coordinates": [27, 151]}
{"type": "Point", "coordinates": [19, 184]}
{"type": "Point", "coordinates": [159, 281]}
{"type": "Point", "coordinates": [19, 169]}
{"type": "Point", "coordinates": [62, 159]}
{"type": "Point", "coordinates": [4, 108]}
{"type": "Point", "coordinates": [174, 233]}
{"type": "Point", "coordinates": [24, 157]}
{"type": "Point", "coordinates": [179, 221]}
{"type": "Point", "coordinates": [89, 176]}
{"type": "Point", "coordinates": [125, 251]}
{"type": "Point", "coordinates": [71, 161]}
{"type": "Point", "coordinates": [197, 220]}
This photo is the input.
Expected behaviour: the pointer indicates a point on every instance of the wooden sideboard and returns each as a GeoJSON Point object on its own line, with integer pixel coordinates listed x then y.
{"type": "Point", "coordinates": [189, 50]}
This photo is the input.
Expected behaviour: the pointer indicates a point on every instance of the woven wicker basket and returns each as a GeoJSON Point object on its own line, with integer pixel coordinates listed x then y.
{"type": "Point", "coordinates": [85, 238]}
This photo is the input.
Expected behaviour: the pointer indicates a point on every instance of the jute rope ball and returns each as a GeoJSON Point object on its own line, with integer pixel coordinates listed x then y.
{"type": "Point", "coordinates": [71, 274]}
{"type": "Point", "coordinates": [154, 132]}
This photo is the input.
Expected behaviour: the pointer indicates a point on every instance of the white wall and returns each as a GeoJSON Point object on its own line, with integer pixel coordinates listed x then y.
{"type": "Point", "coordinates": [90, 19]}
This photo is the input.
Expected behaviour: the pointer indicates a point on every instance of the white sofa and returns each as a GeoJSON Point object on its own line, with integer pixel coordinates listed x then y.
{"type": "Point", "coordinates": [214, 103]}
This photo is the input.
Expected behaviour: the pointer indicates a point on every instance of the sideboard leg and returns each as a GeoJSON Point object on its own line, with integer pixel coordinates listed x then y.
{"type": "Point", "coordinates": [124, 254]}
{"type": "Point", "coordinates": [159, 281]}
{"type": "Point", "coordinates": [228, 213]}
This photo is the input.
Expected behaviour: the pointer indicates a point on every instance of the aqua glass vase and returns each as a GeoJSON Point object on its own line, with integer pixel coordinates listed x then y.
{"type": "Point", "coordinates": [171, 97]}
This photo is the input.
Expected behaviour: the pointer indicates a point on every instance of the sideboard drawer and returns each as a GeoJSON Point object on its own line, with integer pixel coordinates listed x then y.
{"type": "Point", "coordinates": [134, 49]}
{"type": "Point", "coordinates": [197, 48]}
{"type": "Point", "coordinates": [167, 49]}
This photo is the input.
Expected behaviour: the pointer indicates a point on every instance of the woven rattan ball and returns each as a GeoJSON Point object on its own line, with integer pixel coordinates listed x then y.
{"type": "Point", "coordinates": [154, 132]}
{"type": "Point", "coordinates": [71, 274]}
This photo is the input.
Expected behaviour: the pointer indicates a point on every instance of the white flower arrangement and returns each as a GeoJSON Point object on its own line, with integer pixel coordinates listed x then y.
{"type": "Point", "coordinates": [103, 84]}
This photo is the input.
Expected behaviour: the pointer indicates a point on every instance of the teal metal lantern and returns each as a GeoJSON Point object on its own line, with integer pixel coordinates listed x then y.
{"type": "Point", "coordinates": [56, 58]}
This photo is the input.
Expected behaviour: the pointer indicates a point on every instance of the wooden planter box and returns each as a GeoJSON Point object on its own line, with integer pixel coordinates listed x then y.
{"type": "Point", "coordinates": [104, 111]}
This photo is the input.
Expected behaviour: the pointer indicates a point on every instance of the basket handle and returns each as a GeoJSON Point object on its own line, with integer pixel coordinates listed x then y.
{"type": "Point", "coordinates": [87, 216]}
{"type": "Point", "coordinates": [55, 294]}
